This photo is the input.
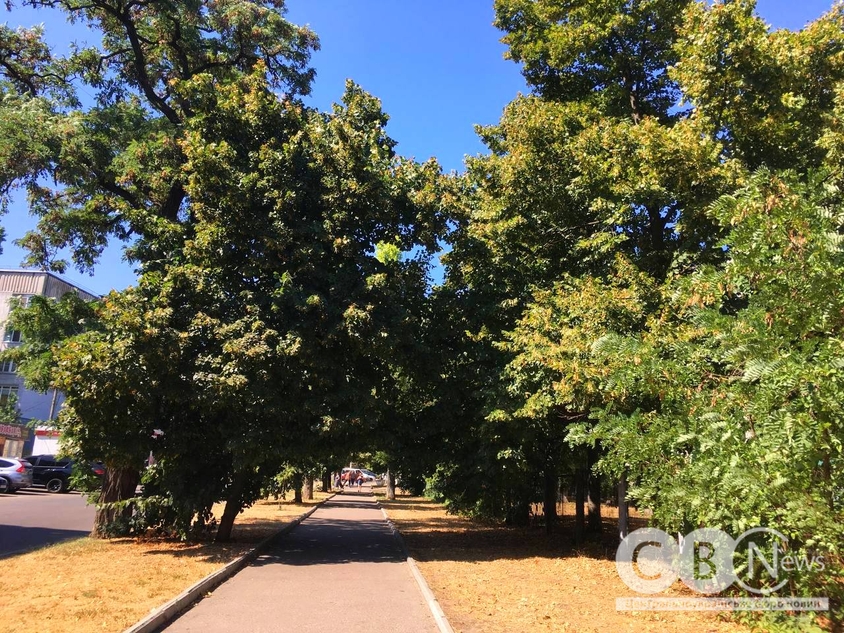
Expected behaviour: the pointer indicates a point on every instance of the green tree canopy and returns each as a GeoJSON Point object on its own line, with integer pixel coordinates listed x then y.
{"type": "Point", "coordinates": [266, 315]}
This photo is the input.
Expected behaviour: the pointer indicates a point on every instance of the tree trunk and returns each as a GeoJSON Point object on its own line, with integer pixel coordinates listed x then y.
{"type": "Point", "coordinates": [623, 528]}
{"type": "Point", "coordinates": [308, 490]}
{"type": "Point", "coordinates": [297, 488]}
{"type": "Point", "coordinates": [580, 478]}
{"type": "Point", "coordinates": [391, 486]}
{"type": "Point", "coordinates": [593, 501]}
{"type": "Point", "coordinates": [550, 501]}
{"type": "Point", "coordinates": [658, 253]}
{"type": "Point", "coordinates": [234, 503]}
{"type": "Point", "coordinates": [518, 513]}
{"type": "Point", "coordinates": [827, 472]}
{"type": "Point", "coordinates": [119, 484]}
{"type": "Point", "coordinates": [326, 480]}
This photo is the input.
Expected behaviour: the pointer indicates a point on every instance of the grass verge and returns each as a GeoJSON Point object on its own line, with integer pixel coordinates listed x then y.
{"type": "Point", "coordinates": [494, 579]}
{"type": "Point", "coordinates": [104, 586]}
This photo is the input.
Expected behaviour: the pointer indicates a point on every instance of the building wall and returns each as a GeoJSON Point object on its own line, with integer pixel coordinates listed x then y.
{"type": "Point", "coordinates": [22, 282]}
{"type": "Point", "coordinates": [44, 443]}
{"type": "Point", "coordinates": [33, 405]}
{"type": "Point", "coordinates": [13, 439]}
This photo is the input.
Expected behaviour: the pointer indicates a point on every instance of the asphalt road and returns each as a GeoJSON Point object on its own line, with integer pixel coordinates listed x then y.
{"type": "Point", "coordinates": [33, 518]}
{"type": "Point", "coordinates": [340, 571]}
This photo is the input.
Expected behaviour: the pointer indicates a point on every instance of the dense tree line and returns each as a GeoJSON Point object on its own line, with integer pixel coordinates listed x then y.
{"type": "Point", "coordinates": [642, 275]}
{"type": "Point", "coordinates": [271, 305]}
{"type": "Point", "coordinates": [644, 281]}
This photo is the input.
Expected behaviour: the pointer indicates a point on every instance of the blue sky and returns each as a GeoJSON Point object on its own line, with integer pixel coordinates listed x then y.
{"type": "Point", "coordinates": [437, 66]}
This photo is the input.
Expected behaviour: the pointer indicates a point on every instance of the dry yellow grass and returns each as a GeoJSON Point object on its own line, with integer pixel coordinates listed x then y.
{"type": "Point", "coordinates": [97, 586]}
{"type": "Point", "coordinates": [491, 579]}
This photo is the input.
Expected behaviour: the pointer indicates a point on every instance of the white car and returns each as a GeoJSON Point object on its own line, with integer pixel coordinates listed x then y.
{"type": "Point", "coordinates": [15, 473]}
{"type": "Point", "coordinates": [368, 475]}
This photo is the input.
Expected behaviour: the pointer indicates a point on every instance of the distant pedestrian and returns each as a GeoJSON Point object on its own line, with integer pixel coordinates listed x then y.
{"type": "Point", "coordinates": [360, 481]}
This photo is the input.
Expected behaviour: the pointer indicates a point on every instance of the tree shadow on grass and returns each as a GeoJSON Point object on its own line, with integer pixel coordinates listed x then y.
{"type": "Point", "coordinates": [315, 542]}
{"type": "Point", "coordinates": [205, 551]}
{"type": "Point", "coordinates": [429, 534]}
{"type": "Point", "coordinates": [438, 537]}
{"type": "Point", "coordinates": [245, 536]}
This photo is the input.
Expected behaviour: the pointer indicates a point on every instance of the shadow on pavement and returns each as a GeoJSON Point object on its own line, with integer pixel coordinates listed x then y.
{"type": "Point", "coordinates": [320, 541]}
{"type": "Point", "coordinates": [26, 492]}
{"type": "Point", "coordinates": [323, 538]}
{"type": "Point", "coordinates": [16, 539]}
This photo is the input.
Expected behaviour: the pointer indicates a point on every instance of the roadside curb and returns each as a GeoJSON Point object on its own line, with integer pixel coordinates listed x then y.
{"type": "Point", "coordinates": [167, 612]}
{"type": "Point", "coordinates": [436, 610]}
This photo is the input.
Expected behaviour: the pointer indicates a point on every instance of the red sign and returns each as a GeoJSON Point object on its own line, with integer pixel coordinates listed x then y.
{"type": "Point", "coordinates": [11, 431]}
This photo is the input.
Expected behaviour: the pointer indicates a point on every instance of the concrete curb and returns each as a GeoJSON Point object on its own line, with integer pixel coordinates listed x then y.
{"type": "Point", "coordinates": [167, 612]}
{"type": "Point", "coordinates": [436, 610]}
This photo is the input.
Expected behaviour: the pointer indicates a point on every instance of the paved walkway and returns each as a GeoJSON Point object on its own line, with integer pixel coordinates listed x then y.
{"type": "Point", "coordinates": [340, 570]}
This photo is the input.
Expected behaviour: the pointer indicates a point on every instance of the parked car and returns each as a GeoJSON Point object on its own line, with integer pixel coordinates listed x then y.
{"type": "Point", "coordinates": [54, 472]}
{"type": "Point", "coordinates": [15, 474]}
{"type": "Point", "coordinates": [368, 475]}
{"type": "Point", "coordinates": [51, 471]}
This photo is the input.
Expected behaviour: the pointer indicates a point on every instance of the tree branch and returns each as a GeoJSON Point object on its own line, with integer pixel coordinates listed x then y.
{"type": "Point", "coordinates": [113, 188]}
{"type": "Point", "coordinates": [171, 206]}
{"type": "Point", "coordinates": [140, 66]}
{"type": "Point", "coordinates": [15, 75]}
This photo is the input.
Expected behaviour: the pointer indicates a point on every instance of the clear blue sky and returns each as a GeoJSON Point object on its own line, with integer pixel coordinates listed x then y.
{"type": "Point", "coordinates": [437, 66]}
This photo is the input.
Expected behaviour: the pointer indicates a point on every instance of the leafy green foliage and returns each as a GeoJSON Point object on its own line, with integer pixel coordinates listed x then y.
{"type": "Point", "coordinates": [765, 95]}
{"type": "Point", "coordinates": [645, 267]}
{"type": "Point", "coordinates": [635, 271]}
{"type": "Point", "coordinates": [42, 323]}
{"type": "Point", "coordinates": [596, 184]}
{"type": "Point", "coordinates": [271, 300]}
{"type": "Point", "coordinates": [10, 412]}
{"type": "Point", "coordinates": [614, 52]}
{"type": "Point", "coordinates": [116, 164]}
{"type": "Point", "coordinates": [741, 370]}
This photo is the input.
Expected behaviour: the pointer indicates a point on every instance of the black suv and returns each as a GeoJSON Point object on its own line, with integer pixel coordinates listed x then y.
{"type": "Point", "coordinates": [51, 471]}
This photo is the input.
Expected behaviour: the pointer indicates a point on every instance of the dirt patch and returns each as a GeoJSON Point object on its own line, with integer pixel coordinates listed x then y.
{"type": "Point", "coordinates": [88, 585]}
{"type": "Point", "coordinates": [492, 579]}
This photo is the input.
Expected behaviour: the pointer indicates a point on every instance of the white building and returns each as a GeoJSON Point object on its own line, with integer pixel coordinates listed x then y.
{"type": "Point", "coordinates": [15, 440]}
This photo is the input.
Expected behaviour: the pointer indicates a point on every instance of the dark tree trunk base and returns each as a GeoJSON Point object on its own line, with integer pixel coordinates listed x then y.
{"type": "Point", "coordinates": [391, 486]}
{"type": "Point", "coordinates": [593, 501]}
{"type": "Point", "coordinates": [233, 506]}
{"type": "Point", "coordinates": [623, 519]}
{"type": "Point", "coordinates": [297, 487]}
{"type": "Point", "coordinates": [119, 484]}
{"type": "Point", "coordinates": [550, 501]}
{"type": "Point", "coordinates": [579, 500]}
